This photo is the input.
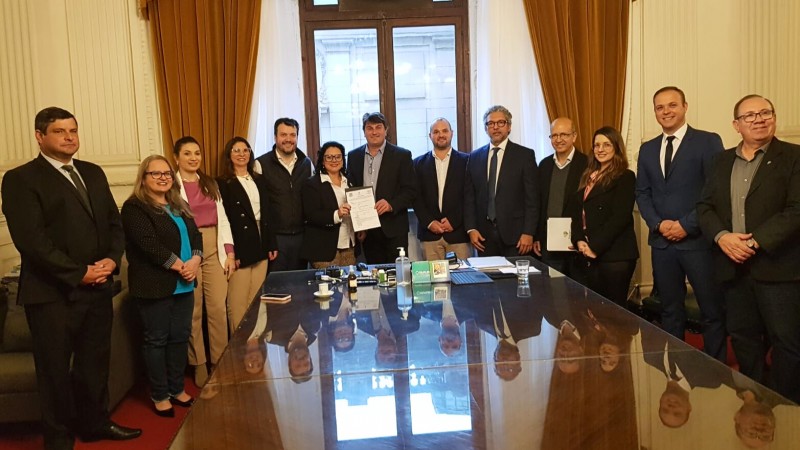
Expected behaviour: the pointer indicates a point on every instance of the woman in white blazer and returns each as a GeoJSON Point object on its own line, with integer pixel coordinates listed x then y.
{"type": "Point", "coordinates": [202, 194]}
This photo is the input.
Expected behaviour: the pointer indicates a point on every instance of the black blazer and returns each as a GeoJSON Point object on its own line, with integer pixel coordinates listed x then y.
{"type": "Point", "coordinates": [772, 213]}
{"type": "Point", "coordinates": [152, 243]}
{"type": "Point", "coordinates": [574, 171]}
{"type": "Point", "coordinates": [250, 243]}
{"type": "Point", "coordinates": [426, 204]}
{"type": "Point", "coordinates": [675, 197]}
{"type": "Point", "coordinates": [516, 197]}
{"type": "Point", "coordinates": [609, 219]}
{"type": "Point", "coordinates": [321, 237]}
{"type": "Point", "coordinates": [395, 184]}
{"type": "Point", "coordinates": [54, 233]}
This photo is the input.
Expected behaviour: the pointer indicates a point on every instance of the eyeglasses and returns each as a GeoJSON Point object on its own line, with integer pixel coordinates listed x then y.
{"type": "Point", "coordinates": [333, 158]}
{"type": "Point", "coordinates": [750, 117]}
{"type": "Point", "coordinates": [763, 436]}
{"type": "Point", "coordinates": [239, 151]}
{"type": "Point", "coordinates": [498, 124]}
{"type": "Point", "coordinates": [156, 175]}
{"type": "Point", "coordinates": [562, 136]}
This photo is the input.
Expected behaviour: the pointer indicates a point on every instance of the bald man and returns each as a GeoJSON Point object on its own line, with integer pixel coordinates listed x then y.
{"type": "Point", "coordinates": [560, 174]}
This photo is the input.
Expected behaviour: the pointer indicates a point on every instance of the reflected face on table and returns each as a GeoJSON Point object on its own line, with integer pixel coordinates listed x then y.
{"type": "Point", "coordinates": [507, 363]}
{"type": "Point", "coordinates": [674, 407]}
{"type": "Point", "coordinates": [755, 425]}
{"type": "Point", "coordinates": [609, 356]}
{"type": "Point", "coordinates": [450, 341]}
{"type": "Point", "coordinates": [343, 336]}
{"type": "Point", "coordinates": [569, 352]}
{"type": "Point", "coordinates": [253, 357]}
{"type": "Point", "coordinates": [300, 364]}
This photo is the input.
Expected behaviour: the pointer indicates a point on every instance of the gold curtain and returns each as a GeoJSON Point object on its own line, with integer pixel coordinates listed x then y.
{"type": "Point", "coordinates": [581, 51]}
{"type": "Point", "coordinates": [205, 59]}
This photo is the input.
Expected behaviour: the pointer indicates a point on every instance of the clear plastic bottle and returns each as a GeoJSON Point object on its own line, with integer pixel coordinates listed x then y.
{"type": "Point", "coordinates": [403, 267]}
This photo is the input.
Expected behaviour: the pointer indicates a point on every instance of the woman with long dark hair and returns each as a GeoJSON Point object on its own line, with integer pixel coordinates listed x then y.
{"type": "Point", "coordinates": [244, 195]}
{"type": "Point", "coordinates": [602, 220]}
{"type": "Point", "coordinates": [164, 250]}
{"type": "Point", "coordinates": [200, 191]}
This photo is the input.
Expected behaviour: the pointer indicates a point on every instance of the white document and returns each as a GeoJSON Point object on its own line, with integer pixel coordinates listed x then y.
{"type": "Point", "coordinates": [489, 262]}
{"type": "Point", "coordinates": [559, 234]}
{"type": "Point", "coordinates": [510, 270]}
{"type": "Point", "coordinates": [362, 208]}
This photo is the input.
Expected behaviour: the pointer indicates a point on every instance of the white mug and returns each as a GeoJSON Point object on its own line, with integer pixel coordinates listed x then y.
{"type": "Point", "coordinates": [323, 288]}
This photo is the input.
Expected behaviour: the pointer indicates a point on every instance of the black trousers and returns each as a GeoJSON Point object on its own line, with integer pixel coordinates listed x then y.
{"type": "Point", "coordinates": [381, 249]}
{"type": "Point", "coordinates": [493, 244]}
{"type": "Point", "coordinates": [72, 398]}
{"type": "Point", "coordinates": [611, 279]}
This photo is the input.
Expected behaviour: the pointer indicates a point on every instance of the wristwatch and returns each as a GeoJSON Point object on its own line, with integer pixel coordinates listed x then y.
{"type": "Point", "coordinates": [751, 243]}
{"type": "Point", "coordinates": [656, 228]}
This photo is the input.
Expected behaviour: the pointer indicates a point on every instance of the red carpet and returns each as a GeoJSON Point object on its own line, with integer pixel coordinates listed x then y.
{"type": "Point", "coordinates": [135, 410]}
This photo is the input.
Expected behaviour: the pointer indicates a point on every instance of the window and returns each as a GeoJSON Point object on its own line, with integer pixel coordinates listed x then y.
{"type": "Point", "coordinates": [411, 64]}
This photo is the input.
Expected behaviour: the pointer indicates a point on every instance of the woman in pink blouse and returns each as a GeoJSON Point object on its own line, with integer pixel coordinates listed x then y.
{"type": "Point", "coordinates": [202, 194]}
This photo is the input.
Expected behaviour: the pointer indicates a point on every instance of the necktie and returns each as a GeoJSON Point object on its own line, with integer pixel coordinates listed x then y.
{"type": "Point", "coordinates": [668, 155]}
{"type": "Point", "coordinates": [82, 192]}
{"type": "Point", "coordinates": [492, 214]}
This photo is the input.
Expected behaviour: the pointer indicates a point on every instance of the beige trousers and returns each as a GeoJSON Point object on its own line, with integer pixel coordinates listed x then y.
{"type": "Point", "coordinates": [243, 286]}
{"type": "Point", "coordinates": [435, 250]}
{"type": "Point", "coordinates": [212, 288]}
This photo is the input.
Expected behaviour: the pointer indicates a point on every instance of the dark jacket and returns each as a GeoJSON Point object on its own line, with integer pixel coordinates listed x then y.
{"type": "Point", "coordinates": [609, 219]}
{"type": "Point", "coordinates": [426, 204]}
{"type": "Point", "coordinates": [250, 244]}
{"type": "Point", "coordinates": [152, 244]}
{"type": "Point", "coordinates": [395, 185]}
{"type": "Point", "coordinates": [285, 208]}
{"type": "Point", "coordinates": [574, 171]}
{"type": "Point", "coordinates": [55, 235]}
{"type": "Point", "coordinates": [772, 213]}
{"type": "Point", "coordinates": [516, 197]}
{"type": "Point", "coordinates": [675, 197]}
{"type": "Point", "coordinates": [321, 234]}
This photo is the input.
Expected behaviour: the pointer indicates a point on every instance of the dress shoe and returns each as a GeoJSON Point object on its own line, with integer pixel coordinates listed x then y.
{"type": "Point", "coordinates": [170, 412]}
{"type": "Point", "coordinates": [111, 432]}
{"type": "Point", "coordinates": [185, 404]}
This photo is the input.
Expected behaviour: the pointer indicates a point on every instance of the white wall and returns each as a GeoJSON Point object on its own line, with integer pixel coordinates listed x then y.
{"type": "Point", "coordinates": [717, 51]}
{"type": "Point", "coordinates": [91, 57]}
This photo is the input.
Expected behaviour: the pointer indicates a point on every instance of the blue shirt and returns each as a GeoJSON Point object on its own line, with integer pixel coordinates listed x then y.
{"type": "Point", "coordinates": [186, 252]}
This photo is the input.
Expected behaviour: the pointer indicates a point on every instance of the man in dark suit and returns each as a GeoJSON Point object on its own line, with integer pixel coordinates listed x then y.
{"type": "Point", "coordinates": [66, 226]}
{"type": "Point", "coordinates": [672, 169]}
{"type": "Point", "coordinates": [684, 370]}
{"type": "Point", "coordinates": [439, 203]}
{"type": "Point", "coordinates": [750, 207]}
{"type": "Point", "coordinates": [389, 170]}
{"type": "Point", "coordinates": [501, 199]}
{"type": "Point", "coordinates": [559, 176]}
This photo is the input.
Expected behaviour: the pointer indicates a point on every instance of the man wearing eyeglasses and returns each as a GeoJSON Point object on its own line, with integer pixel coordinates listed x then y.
{"type": "Point", "coordinates": [750, 207]}
{"type": "Point", "coordinates": [389, 170]}
{"type": "Point", "coordinates": [501, 193]}
{"type": "Point", "coordinates": [559, 175]}
{"type": "Point", "coordinates": [286, 168]}
{"type": "Point", "coordinates": [439, 203]}
{"type": "Point", "coordinates": [671, 171]}
{"type": "Point", "coordinates": [66, 226]}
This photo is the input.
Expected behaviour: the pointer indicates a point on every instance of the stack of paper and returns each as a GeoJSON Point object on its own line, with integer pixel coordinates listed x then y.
{"type": "Point", "coordinates": [489, 262]}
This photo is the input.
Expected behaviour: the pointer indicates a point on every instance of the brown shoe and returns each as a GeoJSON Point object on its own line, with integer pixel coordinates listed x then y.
{"type": "Point", "coordinates": [200, 375]}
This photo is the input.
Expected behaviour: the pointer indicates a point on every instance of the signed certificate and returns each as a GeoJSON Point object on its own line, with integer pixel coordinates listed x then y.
{"type": "Point", "coordinates": [362, 208]}
{"type": "Point", "coordinates": [558, 234]}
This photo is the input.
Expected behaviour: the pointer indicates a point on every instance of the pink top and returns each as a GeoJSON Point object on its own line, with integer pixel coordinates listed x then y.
{"type": "Point", "coordinates": [204, 208]}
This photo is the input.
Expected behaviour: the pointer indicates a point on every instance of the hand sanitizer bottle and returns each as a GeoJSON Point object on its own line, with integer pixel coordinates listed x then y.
{"type": "Point", "coordinates": [403, 267]}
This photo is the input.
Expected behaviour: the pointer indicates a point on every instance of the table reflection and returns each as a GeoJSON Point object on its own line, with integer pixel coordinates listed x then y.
{"type": "Point", "coordinates": [472, 367]}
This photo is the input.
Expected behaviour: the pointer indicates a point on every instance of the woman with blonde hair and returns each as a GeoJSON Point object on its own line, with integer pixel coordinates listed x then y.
{"type": "Point", "coordinates": [164, 250]}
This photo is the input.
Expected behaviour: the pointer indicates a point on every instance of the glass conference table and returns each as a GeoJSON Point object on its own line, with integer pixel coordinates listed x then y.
{"type": "Point", "coordinates": [486, 366]}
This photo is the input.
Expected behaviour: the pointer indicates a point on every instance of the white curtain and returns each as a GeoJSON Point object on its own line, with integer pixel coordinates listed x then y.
{"type": "Point", "coordinates": [278, 89]}
{"type": "Point", "coordinates": [504, 72]}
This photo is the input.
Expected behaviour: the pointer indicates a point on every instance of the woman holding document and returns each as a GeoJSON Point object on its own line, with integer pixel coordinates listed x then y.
{"type": "Point", "coordinates": [329, 238]}
{"type": "Point", "coordinates": [602, 220]}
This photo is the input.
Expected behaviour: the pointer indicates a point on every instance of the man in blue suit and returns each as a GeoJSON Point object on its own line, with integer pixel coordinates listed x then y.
{"type": "Point", "coordinates": [672, 170]}
{"type": "Point", "coordinates": [439, 203]}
